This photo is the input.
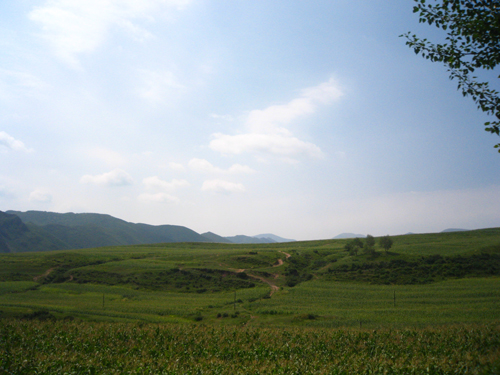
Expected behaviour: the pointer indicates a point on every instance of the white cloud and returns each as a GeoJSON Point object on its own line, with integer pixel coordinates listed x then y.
{"type": "Point", "coordinates": [204, 166]}
{"type": "Point", "coordinates": [238, 168]}
{"type": "Point", "coordinates": [157, 85]}
{"type": "Point", "coordinates": [10, 143]}
{"type": "Point", "coordinates": [221, 186]}
{"type": "Point", "coordinates": [156, 183]}
{"type": "Point", "coordinates": [41, 196]}
{"type": "Point", "coordinates": [117, 177]}
{"type": "Point", "coordinates": [277, 144]}
{"type": "Point", "coordinates": [161, 190]}
{"type": "Point", "coordinates": [265, 129]}
{"type": "Point", "coordinates": [158, 197]}
{"type": "Point", "coordinates": [73, 27]}
{"type": "Point", "coordinates": [176, 167]}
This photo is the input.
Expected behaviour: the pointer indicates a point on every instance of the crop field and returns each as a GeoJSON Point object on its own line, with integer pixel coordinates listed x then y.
{"type": "Point", "coordinates": [33, 347]}
{"type": "Point", "coordinates": [429, 305]}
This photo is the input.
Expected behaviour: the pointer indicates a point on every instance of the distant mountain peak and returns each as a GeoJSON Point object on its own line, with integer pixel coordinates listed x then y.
{"type": "Point", "coordinates": [273, 237]}
{"type": "Point", "coordinates": [242, 239]}
{"type": "Point", "coordinates": [212, 237]}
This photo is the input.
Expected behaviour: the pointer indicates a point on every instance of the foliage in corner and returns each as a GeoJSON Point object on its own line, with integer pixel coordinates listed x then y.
{"type": "Point", "coordinates": [472, 42]}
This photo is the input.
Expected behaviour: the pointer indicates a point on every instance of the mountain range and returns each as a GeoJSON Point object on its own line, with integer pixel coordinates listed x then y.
{"type": "Point", "coordinates": [40, 231]}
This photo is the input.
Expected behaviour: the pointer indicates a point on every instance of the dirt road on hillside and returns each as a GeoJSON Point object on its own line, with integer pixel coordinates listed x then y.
{"type": "Point", "coordinates": [46, 273]}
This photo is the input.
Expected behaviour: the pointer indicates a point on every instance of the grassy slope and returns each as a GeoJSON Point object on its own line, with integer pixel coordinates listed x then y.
{"type": "Point", "coordinates": [169, 283]}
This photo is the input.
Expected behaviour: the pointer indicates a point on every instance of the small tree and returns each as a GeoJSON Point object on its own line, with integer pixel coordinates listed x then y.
{"type": "Point", "coordinates": [351, 248]}
{"type": "Point", "coordinates": [386, 242]}
{"type": "Point", "coordinates": [370, 241]}
{"type": "Point", "coordinates": [357, 242]}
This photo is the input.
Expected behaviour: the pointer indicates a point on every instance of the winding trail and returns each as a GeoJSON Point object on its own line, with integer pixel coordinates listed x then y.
{"type": "Point", "coordinates": [274, 287]}
{"type": "Point", "coordinates": [46, 273]}
{"type": "Point", "coordinates": [280, 263]}
{"type": "Point", "coordinates": [286, 254]}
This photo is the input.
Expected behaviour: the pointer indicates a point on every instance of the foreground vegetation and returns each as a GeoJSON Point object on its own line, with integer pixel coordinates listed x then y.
{"type": "Point", "coordinates": [428, 305]}
{"type": "Point", "coordinates": [32, 347]}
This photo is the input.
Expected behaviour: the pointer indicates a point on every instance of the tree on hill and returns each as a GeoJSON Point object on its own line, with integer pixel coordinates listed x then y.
{"type": "Point", "coordinates": [370, 241]}
{"type": "Point", "coordinates": [472, 42]}
{"type": "Point", "coordinates": [369, 245]}
{"type": "Point", "coordinates": [357, 242]}
{"type": "Point", "coordinates": [351, 248]}
{"type": "Point", "coordinates": [386, 242]}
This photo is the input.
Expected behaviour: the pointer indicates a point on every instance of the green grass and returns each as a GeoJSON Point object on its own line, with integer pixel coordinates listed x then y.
{"type": "Point", "coordinates": [196, 282]}
{"type": "Point", "coordinates": [188, 308]}
{"type": "Point", "coordinates": [9, 287]}
{"type": "Point", "coordinates": [348, 304]}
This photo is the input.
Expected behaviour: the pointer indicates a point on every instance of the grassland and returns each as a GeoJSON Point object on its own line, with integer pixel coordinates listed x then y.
{"type": "Point", "coordinates": [429, 305]}
{"type": "Point", "coordinates": [429, 279]}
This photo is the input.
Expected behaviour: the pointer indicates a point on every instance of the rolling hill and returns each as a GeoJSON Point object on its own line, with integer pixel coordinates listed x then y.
{"type": "Point", "coordinates": [16, 236]}
{"type": "Point", "coordinates": [41, 231]}
{"type": "Point", "coordinates": [38, 230]}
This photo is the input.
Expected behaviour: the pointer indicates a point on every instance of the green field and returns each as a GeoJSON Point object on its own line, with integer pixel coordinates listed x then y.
{"type": "Point", "coordinates": [429, 279]}
{"type": "Point", "coordinates": [114, 348]}
{"type": "Point", "coordinates": [439, 290]}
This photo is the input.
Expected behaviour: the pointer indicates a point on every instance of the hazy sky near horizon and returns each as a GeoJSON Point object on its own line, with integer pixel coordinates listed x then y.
{"type": "Point", "coordinates": [302, 119]}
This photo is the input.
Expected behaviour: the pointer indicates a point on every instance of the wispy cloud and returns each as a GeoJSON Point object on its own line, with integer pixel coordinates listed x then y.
{"type": "Point", "coordinates": [158, 85]}
{"type": "Point", "coordinates": [277, 144]}
{"type": "Point", "coordinates": [80, 26]}
{"type": "Point", "coordinates": [178, 167]}
{"type": "Point", "coordinates": [8, 142]}
{"type": "Point", "coordinates": [204, 166]}
{"type": "Point", "coordinates": [221, 186]}
{"type": "Point", "coordinates": [40, 196]}
{"type": "Point", "coordinates": [116, 177]}
{"type": "Point", "coordinates": [15, 83]}
{"type": "Point", "coordinates": [159, 190]}
{"type": "Point", "coordinates": [266, 130]}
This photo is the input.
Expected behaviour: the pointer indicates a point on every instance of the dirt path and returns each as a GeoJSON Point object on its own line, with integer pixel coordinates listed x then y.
{"type": "Point", "coordinates": [325, 267]}
{"type": "Point", "coordinates": [46, 273]}
{"type": "Point", "coordinates": [274, 287]}
{"type": "Point", "coordinates": [280, 263]}
{"type": "Point", "coordinates": [286, 254]}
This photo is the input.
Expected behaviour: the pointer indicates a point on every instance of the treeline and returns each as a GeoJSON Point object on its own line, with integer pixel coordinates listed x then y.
{"type": "Point", "coordinates": [199, 280]}
{"type": "Point", "coordinates": [355, 246]}
{"type": "Point", "coordinates": [423, 270]}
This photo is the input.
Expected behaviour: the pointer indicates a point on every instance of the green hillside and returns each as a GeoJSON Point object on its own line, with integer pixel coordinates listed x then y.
{"type": "Point", "coordinates": [16, 236]}
{"type": "Point", "coordinates": [427, 279]}
{"type": "Point", "coordinates": [79, 231]}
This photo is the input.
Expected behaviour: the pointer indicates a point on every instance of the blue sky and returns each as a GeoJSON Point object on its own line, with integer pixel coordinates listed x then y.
{"type": "Point", "coordinates": [302, 119]}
